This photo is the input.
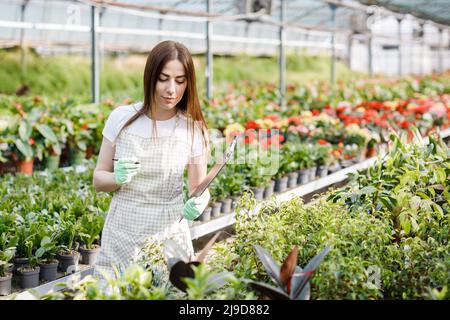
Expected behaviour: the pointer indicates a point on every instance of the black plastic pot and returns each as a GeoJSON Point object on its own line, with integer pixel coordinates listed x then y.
{"type": "Point", "coordinates": [258, 192]}
{"type": "Point", "coordinates": [215, 211]}
{"type": "Point", "coordinates": [292, 180]}
{"type": "Point", "coordinates": [48, 270]}
{"type": "Point", "coordinates": [206, 215]}
{"type": "Point", "coordinates": [312, 173]}
{"type": "Point", "coordinates": [28, 278]}
{"type": "Point", "coordinates": [281, 184]}
{"type": "Point", "coordinates": [68, 263]}
{"type": "Point", "coordinates": [268, 191]}
{"type": "Point", "coordinates": [303, 176]}
{"type": "Point", "coordinates": [226, 205]}
{"type": "Point", "coordinates": [89, 256]}
{"type": "Point", "coordinates": [322, 171]}
{"type": "Point", "coordinates": [5, 284]}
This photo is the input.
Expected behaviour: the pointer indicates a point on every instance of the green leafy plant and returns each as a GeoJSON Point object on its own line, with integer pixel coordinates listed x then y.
{"type": "Point", "coordinates": [7, 251]}
{"type": "Point", "coordinates": [91, 225]}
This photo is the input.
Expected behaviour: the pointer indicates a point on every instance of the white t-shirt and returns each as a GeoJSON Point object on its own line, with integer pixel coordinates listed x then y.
{"type": "Point", "coordinates": [143, 126]}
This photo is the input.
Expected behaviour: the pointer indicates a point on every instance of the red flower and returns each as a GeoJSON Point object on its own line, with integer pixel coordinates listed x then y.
{"type": "Point", "coordinates": [252, 125]}
{"type": "Point", "coordinates": [315, 112]}
{"type": "Point", "coordinates": [85, 126]}
{"type": "Point", "coordinates": [31, 141]}
{"type": "Point", "coordinates": [322, 142]}
{"type": "Point", "coordinates": [293, 120]}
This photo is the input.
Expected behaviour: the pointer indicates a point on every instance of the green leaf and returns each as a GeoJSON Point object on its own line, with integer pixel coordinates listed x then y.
{"type": "Point", "coordinates": [368, 190]}
{"type": "Point", "coordinates": [25, 130]}
{"type": "Point", "coordinates": [40, 252]}
{"type": "Point", "coordinates": [45, 240]}
{"type": "Point", "coordinates": [25, 149]}
{"type": "Point", "coordinates": [47, 132]}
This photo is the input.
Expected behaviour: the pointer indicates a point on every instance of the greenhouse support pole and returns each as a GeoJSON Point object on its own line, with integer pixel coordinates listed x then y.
{"type": "Point", "coordinates": [399, 34]}
{"type": "Point", "coordinates": [209, 55]}
{"type": "Point", "coordinates": [333, 8]}
{"type": "Point", "coordinates": [22, 40]}
{"type": "Point", "coordinates": [95, 77]}
{"type": "Point", "coordinates": [369, 55]}
{"type": "Point", "coordinates": [422, 49]}
{"type": "Point", "coordinates": [282, 55]}
{"type": "Point", "coordinates": [440, 53]}
{"type": "Point", "coordinates": [349, 50]}
{"type": "Point", "coordinates": [101, 42]}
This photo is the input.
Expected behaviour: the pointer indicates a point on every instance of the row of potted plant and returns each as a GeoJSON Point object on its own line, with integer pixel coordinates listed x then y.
{"type": "Point", "coordinates": [36, 132]}
{"type": "Point", "coordinates": [46, 225]}
{"type": "Point", "coordinates": [52, 133]}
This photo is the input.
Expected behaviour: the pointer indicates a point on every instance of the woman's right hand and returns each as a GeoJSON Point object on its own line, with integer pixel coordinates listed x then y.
{"type": "Point", "coordinates": [125, 169]}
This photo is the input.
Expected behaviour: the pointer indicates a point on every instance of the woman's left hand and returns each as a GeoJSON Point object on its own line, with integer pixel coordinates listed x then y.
{"type": "Point", "coordinates": [195, 206]}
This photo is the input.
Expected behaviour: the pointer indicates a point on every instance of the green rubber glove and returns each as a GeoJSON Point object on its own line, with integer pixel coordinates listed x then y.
{"type": "Point", "coordinates": [125, 169]}
{"type": "Point", "coordinates": [195, 206]}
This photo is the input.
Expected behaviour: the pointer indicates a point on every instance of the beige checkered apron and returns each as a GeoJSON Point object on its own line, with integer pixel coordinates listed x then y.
{"type": "Point", "coordinates": [151, 204]}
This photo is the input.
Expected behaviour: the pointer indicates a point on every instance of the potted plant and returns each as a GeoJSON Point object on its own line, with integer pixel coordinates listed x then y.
{"type": "Point", "coordinates": [48, 146]}
{"type": "Point", "coordinates": [7, 251]}
{"type": "Point", "coordinates": [281, 177]}
{"type": "Point", "coordinates": [67, 256]}
{"type": "Point", "coordinates": [91, 226]}
{"type": "Point", "coordinates": [24, 234]}
{"type": "Point", "coordinates": [302, 156]}
{"type": "Point", "coordinates": [47, 261]}
{"type": "Point", "coordinates": [29, 275]}
{"type": "Point", "coordinates": [23, 148]}
{"type": "Point", "coordinates": [323, 159]}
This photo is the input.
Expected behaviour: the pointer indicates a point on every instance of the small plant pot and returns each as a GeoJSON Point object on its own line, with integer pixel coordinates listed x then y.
{"type": "Point", "coordinates": [268, 191]}
{"type": "Point", "coordinates": [19, 262]}
{"type": "Point", "coordinates": [312, 173]}
{"type": "Point", "coordinates": [281, 184]}
{"type": "Point", "coordinates": [52, 162]}
{"type": "Point", "coordinates": [303, 176]}
{"type": "Point", "coordinates": [371, 152]}
{"type": "Point", "coordinates": [89, 256]}
{"type": "Point", "coordinates": [90, 152]}
{"type": "Point", "coordinates": [5, 284]}
{"type": "Point", "coordinates": [215, 211]}
{"type": "Point", "coordinates": [226, 205]}
{"type": "Point", "coordinates": [28, 278]}
{"type": "Point", "coordinates": [25, 167]}
{"type": "Point", "coordinates": [258, 192]}
{"type": "Point", "coordinates": [69, 262]}
{"type": "Point", "coordinates": [322, 171]}
{"type": "Point", "coordinates": [48, 270]}
{"type": "Point", "coordinates": [292, 180]}
{"type": "Point", "coordinates": [206, 215]}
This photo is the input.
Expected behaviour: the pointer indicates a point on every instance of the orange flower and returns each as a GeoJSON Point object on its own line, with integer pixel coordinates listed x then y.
{"type": "Point", "coordinates": [31, 141]}
{"type": "Point", "coordinates": [322, 141]}
{"type": "Point", "coordinates": [85, 126]}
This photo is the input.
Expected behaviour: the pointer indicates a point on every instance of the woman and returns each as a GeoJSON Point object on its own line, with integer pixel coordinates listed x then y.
{"type": "Point", "coordinates": [146, 147]}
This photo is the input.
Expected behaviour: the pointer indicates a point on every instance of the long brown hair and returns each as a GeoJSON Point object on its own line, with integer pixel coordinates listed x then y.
{"type": "Point", "coordinates": [189, 104]}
